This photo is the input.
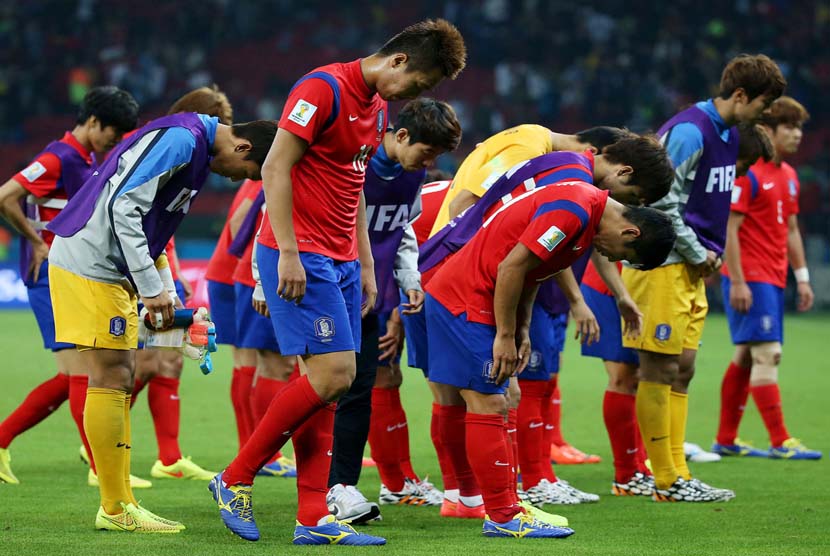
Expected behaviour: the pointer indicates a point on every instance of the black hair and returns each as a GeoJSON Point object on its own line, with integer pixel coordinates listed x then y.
{"type": "Point", "coordinates": [431, 122]}
{"type": "Point", "coordinates": [261, 135]}
{"type": "Point", "coordinates": [432, 43]}
{"type": "Point", "coordinates": [603, 136]}
{"type": "Point", "coordinates": [656, 239]}
{"type": "Point", "coordinates": [652, 169]}
{"type": "Point", "coordinates": [111, 106]}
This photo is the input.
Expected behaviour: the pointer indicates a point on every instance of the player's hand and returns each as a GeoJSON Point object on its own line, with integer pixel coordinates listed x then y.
{"type": "Point", "coordinates": [631, 316]}
{"type": "Point", "coordinates": [587, 327]}
{"type": "Point", "coordinates": [740, 297]}
{"type": "Point", "coordinates": [40, 252]}
{"type": "Point", "coordinates": [523, 351]}
{"type": "Point", "coordinates": [390, 343]}
{"type": "Point", "coordinates": [261, 307]}
{"type": "Point", "coordinates": [805, 296]}
{"type": "Point", "coordinates": [416, 302]}
{"type": "Point", "coordinates": [505, 358]}
{"type": "Point", "coordinates": [160, 309]}
{"type": "Point", "coordinates": [708, 266]}
{"type": "Point", "coordinates": [370, 289]}
{"type": "Point", "coordinates": [177, 302]}
{"type": "Point", "coordinates": [292, 280]}
{"type": "Point", "coordinates": [187, 287]}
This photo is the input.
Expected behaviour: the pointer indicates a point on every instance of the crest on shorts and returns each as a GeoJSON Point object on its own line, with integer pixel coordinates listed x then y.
{"type": "Point", "coordinates": [535, 359]}
{"type": "Point", "coordinates": [487, 369]}
{"type": "Point", "coordinates": [662, 332]}
{"type": "Point", "coordinates": [766, 323]}
{"type": "Point", "coordinates": [324, 327]}
{"type": "Point", "coordinates": [118, 325]}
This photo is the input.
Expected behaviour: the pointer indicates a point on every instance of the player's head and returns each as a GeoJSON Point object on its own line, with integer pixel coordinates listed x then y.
{"type": "Point", "coordinates": [424, 129]}
{"type": "Point", "coordinates": [637, 170]}
{"type": "Point", "coordinates": [240, 149]}
{"type": "Point", "coordinates": [751, 82]}
{"type": "Point", "coordinates": [784, 120]}
{"type": "Point", "coordinates": [205, 100]}
{"type": "Point", "coordinates": [754, 145]}
{"type": "Point", "coordinates": [419, 57]}
{"type": "Point", "coordinates": [107, 113]}
{"type": "Point", "coordinates": [600, 137]}
{"type": "Point", "coordinates": [642, 236]}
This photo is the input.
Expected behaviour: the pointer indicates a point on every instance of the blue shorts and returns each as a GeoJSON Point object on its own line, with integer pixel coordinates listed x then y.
{"type": "Point", "coordinates": [461, 352]}
{"type": "Point", "coordinates": [253, 331]}
{"type": "Point", "coordinates": [382, 320]}
{"type": "Point", "coordinates": [765, 320]}
{"type": "Point", "coordinates": [222, 299]}
{"type": "Point", "coordinates": [328, 318]}
{"type": "Point", "coordinates": [415, 330]}
{"type": "Point", "coordinates": [609, 347]}
{"type": "Point", "coordinates": [547, 340]}
{"type": "Point", "coordinates": [41, 303]}
{"type": "Point", "coordinates": [179, 290]}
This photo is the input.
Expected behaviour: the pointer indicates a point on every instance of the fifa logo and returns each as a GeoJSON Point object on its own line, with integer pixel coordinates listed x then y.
{"type": "Point", "coordinates": [722, 178]}
{"type": "Point", "coordinates": [360, 159]}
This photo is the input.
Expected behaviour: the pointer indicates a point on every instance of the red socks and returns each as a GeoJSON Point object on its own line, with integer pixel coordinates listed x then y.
{"type": "Point", "coordinates": [138, 386]}
{"type": "Point", "coordinates": [77, 399]}
{"type": "Point", "coordinates": [511, 435]}
{"type": "Point", "coordinates": [453, 434]}
{"type": "Point", "coordinates": [768, 399]}
{"type": "Point", "coordinates": [241, 401]}
{"type": "Point", "coordinates": [312, 450]}
{"type": "Point", "coordinates": [444, 460]}
{"type": "Point", "coordinates": [384, 437]}
{"type": "Point", "coordinates": [533, 454]}
{"type": "Point", "coordinates": [556, 415]}
{"type": "Point", "coordinates": [734, 392]}
{"type": "Point", "coordinates": [163, 399]}
{"type": "Point", "coordinates": [38, 405]}
{"type": "Point", "coordinates": [547, 440]}
{"type": "Point", "coordinates": [489, 455]}
{"type": "Point", "coordinates": [261, 395]}
{"type": "Point", "coordinates": [291, 407]}
{"type": "Point", "coordinates": [620, 416]}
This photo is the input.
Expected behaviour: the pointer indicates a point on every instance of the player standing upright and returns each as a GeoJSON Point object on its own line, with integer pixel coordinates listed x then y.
{"type": "Point", "coordinates": [334, 120]}
{"type": "Point", "coordinates": [762, 236]}
{"type": "Point", "coordinates": [703, 145]}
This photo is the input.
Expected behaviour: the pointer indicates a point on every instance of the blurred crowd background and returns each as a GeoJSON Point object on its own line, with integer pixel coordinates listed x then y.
{"type": "Point", "coordinates": [566, 65]}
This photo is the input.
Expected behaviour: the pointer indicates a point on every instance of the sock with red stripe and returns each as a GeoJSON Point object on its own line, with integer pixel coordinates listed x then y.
{"type": "Point", "coordinates": [556, 415]}
{"type": "Point", "coordinates": [38, 405]}
{"type": "Point", "coordinates": [402, 437]}
{"type": "Point", "coordinates": [488, 451]}
{"type": "Point", "coordinates": [768, 399]}
{"type": "Point", "coordinates": [444, 460]}
{"type": "Point", "coordinates": [291, 407]}
{"type": "Point", "coordinates": [453, 436]}
{"type": "Point", "coordinates": [547, 438]}
{"type": "Point", "coordinates": [241, 401]}
{"type": "Point", "coordinates": [531, 433]}
{"type": "Point", "coordinates": [163, 399]}
{"type": "Point", "coordinates": [383, 437]}
{"type": "Point", "coordinates": [511, 435]}
{"type": "Point", "coordinates": [734, 392]}
{"type": "Point", "coordinates": [78, 385]}
{"type": "Point", "coordinates": [312, 450]}
{"type": "Point", "coordinates": [619, 411]}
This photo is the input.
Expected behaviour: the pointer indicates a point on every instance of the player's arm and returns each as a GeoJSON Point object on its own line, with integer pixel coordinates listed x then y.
{"type": "Point", "coordinates": [740, 296]}
{"type": "Point", "coordinates": [587, 327]}
{"type": "Point", "coordinates": [464, 200]}
{"type": "Point", "coordinates": [630, 313]}
{"type": "Point", "coordinates": [238, 216]}
{"type": "Point", "coordinates": [406, 273]}
{"type": "Point", "coordinates": [523, 326]}
{"type": "Point", "coordinates": [367, 261]}
{"type": "Point", "coordinates": [795, 253]}
{"type": "Point", "coordinates": [11, 193]}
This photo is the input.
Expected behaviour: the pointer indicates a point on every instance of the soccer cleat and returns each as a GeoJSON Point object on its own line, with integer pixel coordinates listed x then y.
{"type": "Point", "coordinates": [235, 507]}
{"type": "Point", "coordinates": [6, 475]}
{"type": "Point", "coordinates": [688, 491]}
{"type": "Point", "coordinates": [792, 448]}
{"type": "Point", "coordinates": [433, 496]}
{"type": "Point", "coordinates": [333, 531]}
{"type": "Point", "coordinates": [178, 525]}
{"type": "Point", "coordinates": [132, 520]}
{"type": "Point", "coordinates": [723, 493]}
{"type": "Point", "coordinates": [558, 493]}
{"type": "Point", "coordinates": [182, 469]}
{"type": "Point", "coordinates": [469, 512]}
{"type": "Point", "coordinates": [568, 455]}
{"type": "Point", "coordinates": [638, 485]}
{"type": "Point", "coordinates": [135, 482]}
{"type": "Point", "coordinates": [582, 497]}
{"type": "Point", "coordinates": [348, 505]}
{"type": "Point", "coordinates": [738, 448]}
{"type": "Point", "coordinates": [543, 516]}
{"type": "Point", "coordinates": [696, 454]}
{"type": "Point", "coordinates": [448, 508]}
{"type": "Point", "coordinates": [536, 495]}
{"type": "Point", "coordinates": [84, 455]}
{"type": "Point", "coordinates": [282, 467]}
{"type": "Point", "coordinates": [411, 495]}
{"type": "Point", "coordinates": [524, 526]}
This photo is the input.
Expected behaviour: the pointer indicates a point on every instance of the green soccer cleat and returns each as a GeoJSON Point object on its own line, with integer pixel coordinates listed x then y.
{"type": "Point", "coordinates": [543, 516]}
{"type": "Point", "coordinates": [182, 469]}
{"type": "Point", "coordinates": [134, 519]}
{"type": "Point", "coordinates": [6, 475]}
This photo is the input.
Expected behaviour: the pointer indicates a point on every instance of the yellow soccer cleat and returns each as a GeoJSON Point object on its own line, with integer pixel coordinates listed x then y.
{"type": "Point", "coordinates": [6, 475]}
{"type": "Point", "coordinates": [543, 516]}
{"type": "Point", "coordinates": [133, 520]}
{"type": "Point", "coordinates": [182, 469]}
{"type": "Point", "coordinates": [84, 455]}
{"type": "Point", "coordinates": [135, 482]}
{"type": "Point", "coordinates": [178, 525]}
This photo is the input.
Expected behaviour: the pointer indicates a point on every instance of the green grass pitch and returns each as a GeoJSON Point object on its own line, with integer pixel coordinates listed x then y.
{"type": "Point", "coordinates": [781, 507]}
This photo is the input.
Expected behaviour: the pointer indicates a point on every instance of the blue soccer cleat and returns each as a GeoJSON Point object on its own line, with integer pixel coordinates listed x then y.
{"type": "Point", "coordinates": [524, 526]}
{"type": "Point", "coordinates": [334, 532]}
{"type": "Point", "coordinates": [792, 448]}
{"type": "Point", "coordinates": [235, 508]}
{"type": "Point", "coordinates": [280, 468]}
{"type": "Point", "coordinates": [739, 448]}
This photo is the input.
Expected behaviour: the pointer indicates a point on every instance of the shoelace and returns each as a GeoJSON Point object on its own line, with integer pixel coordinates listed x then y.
{"type": "Point", "coordinates": [242, 497]}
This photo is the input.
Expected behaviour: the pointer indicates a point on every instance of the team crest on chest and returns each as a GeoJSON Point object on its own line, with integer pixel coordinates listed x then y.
{"type": "Point", "coordinates": [792, 189]}
{"type": "Point", "coordinates": [380, 125]}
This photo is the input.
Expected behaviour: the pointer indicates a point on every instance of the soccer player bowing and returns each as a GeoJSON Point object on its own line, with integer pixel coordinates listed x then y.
{"type": "Point", "coordinates": [108, 251]}
{"type": "Point", "coordinates": [478, 314]}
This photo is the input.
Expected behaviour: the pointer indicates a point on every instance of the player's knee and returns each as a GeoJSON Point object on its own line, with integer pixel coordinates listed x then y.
{"type": "Point", "coordinates": [765, 360]}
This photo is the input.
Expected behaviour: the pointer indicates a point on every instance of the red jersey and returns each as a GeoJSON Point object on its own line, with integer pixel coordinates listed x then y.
{"type": "Point", "coordinates": [557, 223]}
{"type": "Point", "coordinates": [221, 266]}
{"type": "Point", "coordinates": [172, 257]}
{"type": "Point", "coordinates": [432, 197]}
{"type": "Point", "coordinates": [243, 273]}
{"type": "Point", "coordinates": [767, 196]}
{"type": "Point", "coordinates": [343, 122]}
{"type": "Point", "coordinates": [594, 280]}
{"type": "Point", "coordinates": [41, 178]}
